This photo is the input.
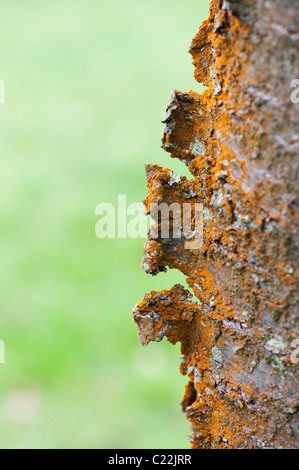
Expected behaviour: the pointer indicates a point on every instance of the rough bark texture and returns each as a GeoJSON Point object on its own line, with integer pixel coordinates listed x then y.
{"type": "Point", "coordinates": [240, 141]}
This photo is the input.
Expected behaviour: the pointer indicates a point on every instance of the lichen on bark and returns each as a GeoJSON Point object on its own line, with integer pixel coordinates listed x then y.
{"type": "Point", "coordinates": [240, 141]}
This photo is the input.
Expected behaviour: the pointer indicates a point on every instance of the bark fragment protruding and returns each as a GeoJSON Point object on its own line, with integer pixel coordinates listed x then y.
{"type": "Point", "coordinates": [240, 141]}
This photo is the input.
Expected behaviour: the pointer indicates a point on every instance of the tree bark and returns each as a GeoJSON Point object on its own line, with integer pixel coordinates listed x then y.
{"type": "Point", "coordinates": [240, 141]}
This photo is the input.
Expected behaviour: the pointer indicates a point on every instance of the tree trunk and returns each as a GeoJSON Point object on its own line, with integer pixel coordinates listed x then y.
{"type": "Point", "coordinates": [240, 141]}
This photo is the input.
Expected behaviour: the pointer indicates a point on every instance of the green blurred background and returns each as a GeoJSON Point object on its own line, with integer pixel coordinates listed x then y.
{"type": "Point", "coordinates": [87, 83]}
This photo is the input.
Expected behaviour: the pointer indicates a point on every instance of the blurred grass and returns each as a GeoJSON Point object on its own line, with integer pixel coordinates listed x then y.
{"type": "Point", "coordinates": [87, 84]}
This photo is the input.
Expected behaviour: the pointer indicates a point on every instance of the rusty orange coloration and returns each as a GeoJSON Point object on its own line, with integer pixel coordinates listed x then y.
{"type": "Point", "coordinates": [239, 142]}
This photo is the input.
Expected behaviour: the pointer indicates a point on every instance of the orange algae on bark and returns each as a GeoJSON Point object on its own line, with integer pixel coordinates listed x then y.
{"type": "Point", "coordinates": [240, 141]}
